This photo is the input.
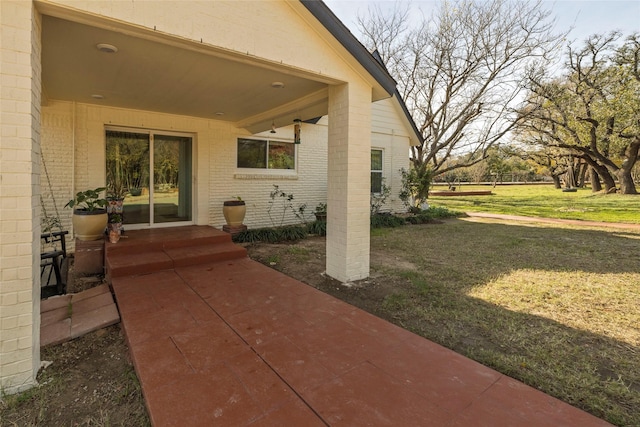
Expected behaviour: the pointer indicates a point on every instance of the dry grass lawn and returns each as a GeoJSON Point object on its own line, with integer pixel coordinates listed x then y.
{"type": "Point", "coordinates": [555, 307]}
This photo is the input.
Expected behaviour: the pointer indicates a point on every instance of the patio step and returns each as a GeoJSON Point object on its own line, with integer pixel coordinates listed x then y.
{"type": "Point", "coordinates": [148, 251]}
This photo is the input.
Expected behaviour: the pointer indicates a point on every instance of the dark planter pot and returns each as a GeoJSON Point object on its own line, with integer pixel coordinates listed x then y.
{"type": "Point", "coordinates": [321, 216]}
{"type": "Point", "coordinates": [89, 225]}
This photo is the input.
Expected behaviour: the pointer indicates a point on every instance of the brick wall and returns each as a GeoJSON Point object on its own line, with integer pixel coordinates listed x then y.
{"type": "Point", "coordinates": [19, 228]}
{"type": "Point", "coordinates": [73, 140]}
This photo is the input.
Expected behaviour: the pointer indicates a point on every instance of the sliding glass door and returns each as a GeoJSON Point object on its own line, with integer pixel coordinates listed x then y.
{"type": "Point", "coordinates": [158, 195]}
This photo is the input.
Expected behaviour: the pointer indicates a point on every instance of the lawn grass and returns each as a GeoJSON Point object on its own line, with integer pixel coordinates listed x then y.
{"type": "Point", "coordinates": [553, 306]}
{"type": "Point", "coordinates": [545, 201]}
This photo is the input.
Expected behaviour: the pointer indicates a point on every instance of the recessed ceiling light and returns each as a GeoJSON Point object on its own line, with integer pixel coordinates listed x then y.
{"type": "Point", "coordinates": [277, 85]}
{"type": "Point", "coordinates": [220, 113]}
{"type": "Point", "coordinates": [106, 48]}
{"type": "Point", "coordinates": [97, 96]}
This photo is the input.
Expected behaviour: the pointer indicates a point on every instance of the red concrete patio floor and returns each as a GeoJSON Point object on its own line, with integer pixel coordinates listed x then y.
{"type": "Point", "coordinates": [235, 343]}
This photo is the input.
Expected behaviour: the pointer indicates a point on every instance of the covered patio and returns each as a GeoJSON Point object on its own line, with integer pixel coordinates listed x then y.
{"type": "Point", "coordinates": [211, 72]}
{"type": "Point", "coordinates": [103, 70]}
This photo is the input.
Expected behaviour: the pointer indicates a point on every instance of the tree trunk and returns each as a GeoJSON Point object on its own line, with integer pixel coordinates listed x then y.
{"type": "Point", "coordinates": [603, 173]}
{"type": "Point", "coordinates": [596, 187]}
{"type": "Point", "coordinates": [582, 174]}
{"type": "Point", "coordinates": [609, 183]}
{"type": "Point", "coordinates": [556, 182]}
{"type": "Point", "coordinates": [626, 182]}
{"type": "Point", "coordinates": [624, 174]}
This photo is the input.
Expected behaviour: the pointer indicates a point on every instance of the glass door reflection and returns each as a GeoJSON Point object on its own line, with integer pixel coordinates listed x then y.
{"type": "Point", "coordinates": [171, 178]}
{"type": "Point", "coordinates": [129, 156]}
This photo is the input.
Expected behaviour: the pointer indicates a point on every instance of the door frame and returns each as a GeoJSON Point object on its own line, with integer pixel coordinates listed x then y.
{"type": "Point", "coordinates": [151, 132]}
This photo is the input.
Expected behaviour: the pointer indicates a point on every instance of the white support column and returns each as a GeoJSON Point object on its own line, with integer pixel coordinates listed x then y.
{"type": "Point", "coordinates": [20, 92]}
{"type": "Point", "coordinates": [349, 177]}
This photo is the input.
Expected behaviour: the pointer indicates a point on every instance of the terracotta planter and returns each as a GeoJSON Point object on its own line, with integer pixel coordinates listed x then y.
{"type": "Point", "coordinates": [234, 212]}
{"type": "Point", "coordinates": [89, 225]}
{"type": "Point", "coordinates": [115, 226]}
{"type": "Point", "coordinates": [114, 235]}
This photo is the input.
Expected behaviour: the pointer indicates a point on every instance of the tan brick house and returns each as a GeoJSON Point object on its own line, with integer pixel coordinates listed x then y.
{"type": "Point", "coordinates": [206, 81]}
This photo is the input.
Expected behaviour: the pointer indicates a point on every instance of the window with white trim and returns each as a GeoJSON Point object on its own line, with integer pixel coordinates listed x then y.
{"type": "Point", "coordinates": [376, 171]}
{"type": "Point", "coordinates": [265, 154]}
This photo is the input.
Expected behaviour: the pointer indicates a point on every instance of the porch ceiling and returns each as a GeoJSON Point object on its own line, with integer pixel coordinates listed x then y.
{"type": "Point", "coordinates": [176, 77]}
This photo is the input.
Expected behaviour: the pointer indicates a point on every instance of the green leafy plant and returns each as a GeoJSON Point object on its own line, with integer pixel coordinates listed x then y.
{"type": "Point", "coordinates": [321, 207]}
{"type": "Point", "coordinates": [88, 200]}
{"type": "Point", "coordinates": [115, 218]}
{"type": "Point", "coordinates": [383, 220]}
{"type": "Point", "coordinates": [379, 199]}
{"type": "Point", "coordinates": [321, 213]}
{"type": "Point", "coordinates": [318, 228]}
{"type": "Point", "coordinates": [272, 235]}
{"type": "Point", "coordinates": [48, 223]}
{"type": "Point", "coordinates": [415, 185]}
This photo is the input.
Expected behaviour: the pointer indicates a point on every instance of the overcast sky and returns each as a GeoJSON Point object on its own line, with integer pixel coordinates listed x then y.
{"type": "Point", "coordinates": [587, 17]}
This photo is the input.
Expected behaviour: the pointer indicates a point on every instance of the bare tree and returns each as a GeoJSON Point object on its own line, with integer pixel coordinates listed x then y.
{"type": "Point", "coordinates": [461, 71]}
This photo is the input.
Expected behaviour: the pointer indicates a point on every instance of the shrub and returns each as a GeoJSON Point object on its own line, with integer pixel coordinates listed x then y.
{"type": "Point", "coordinates": [318, 228]}
{"type": "Point", "coordinates": [431, 214]}
{"type": "Point", "coordinates": [272, 235]}
{"type": "Point", "coordinates": [415, 185]}
{"type": "Point", "coordinates": [381, 220]}
{"type": "Point", "coordinates": [440, 212]}
{"type": "Point", "coordinates": [378, 200]}
{"type": "Point", "coordinates": [299, 232]}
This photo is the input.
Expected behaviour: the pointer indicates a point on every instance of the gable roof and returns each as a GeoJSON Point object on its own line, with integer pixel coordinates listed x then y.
{"type": "Point", "coordinates": [372, 62]}
{"type": "Point", "coordinates": [331, 22]}
{"type": "Point", "coordinates": [401, 103]}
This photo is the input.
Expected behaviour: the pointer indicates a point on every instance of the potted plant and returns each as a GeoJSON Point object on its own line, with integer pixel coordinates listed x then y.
{"type": "Point", "coordinates": [321, 212]}
{"type": "Point", "coordinates": [234, 211]}
{"type": "Point", "coordinates": [115, 227]}
{"type": "Point", "coordinates": [89, 214]}
{"type": "Point", "coordinates": [116, 193]}
{"type": "Point", "coordinates": [115, 221]}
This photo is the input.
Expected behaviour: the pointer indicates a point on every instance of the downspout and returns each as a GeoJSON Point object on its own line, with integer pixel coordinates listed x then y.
{"type": "Point", "coordinates": [392, 148]}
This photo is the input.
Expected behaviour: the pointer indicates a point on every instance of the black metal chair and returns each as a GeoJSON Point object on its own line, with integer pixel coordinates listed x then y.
{"type": "Point", "coordinates": [53, 264]}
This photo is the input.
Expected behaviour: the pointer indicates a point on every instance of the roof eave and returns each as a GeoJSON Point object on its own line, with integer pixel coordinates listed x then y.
{"type": "Point", "coordinates": [331, 22]}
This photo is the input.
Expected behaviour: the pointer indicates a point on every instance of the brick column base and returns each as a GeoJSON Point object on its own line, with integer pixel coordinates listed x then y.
{"type": "Point", "coordinates": [235, 229]}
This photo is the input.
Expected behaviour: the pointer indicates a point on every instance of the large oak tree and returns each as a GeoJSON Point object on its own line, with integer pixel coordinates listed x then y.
{"type": "Point", "coordinates": [593, 109]}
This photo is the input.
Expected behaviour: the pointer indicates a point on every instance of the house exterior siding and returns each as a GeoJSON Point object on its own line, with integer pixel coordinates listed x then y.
{"type": "Point", "coordinates": [391, 134]}
{"type": "Point", "coordinates": [74, 140]}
